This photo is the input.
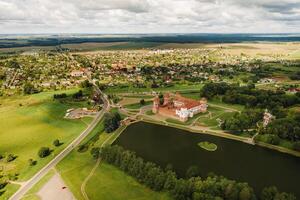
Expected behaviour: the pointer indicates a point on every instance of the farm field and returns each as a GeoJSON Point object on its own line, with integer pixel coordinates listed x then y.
{"type": "Point", "coordinates": [29, 123]}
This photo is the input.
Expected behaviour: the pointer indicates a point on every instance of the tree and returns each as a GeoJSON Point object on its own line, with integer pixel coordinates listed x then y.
{"type": "Point", "coordinates": [29, 89]}
{"type": "Point", "coordinates": [246, 193]}
{"type": "Point", "coordinates": [95, 152]}
{"type": "Point", "coordinates": [56, 143]}
{"type": "Point", "coordinates": [296, 146]}
{"type": "Point", "coordinates": [44, 152]}
{"type": "Point", "coordinates": [269, 193]}
{"type": "Point", "coordinates": [284, 196]}
{"type": "Point", "coordinates": [11, 157]}
{"type": "Point", "coordinates": [32, 162]}
{"type": "Point", "coordinates": [192, 171]}
{"type": "Point", "coordinates": [111, 121]}
{"type": "Point", "coordinates": [86, 84]}
{"type": "Point", "coordinates": [78, 94]}
{"type": "Point", "coordinates": [142, 102]}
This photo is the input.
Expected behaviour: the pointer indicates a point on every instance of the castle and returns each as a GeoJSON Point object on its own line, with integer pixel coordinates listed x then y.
{"type": "Point", "coordinates": [177, 106]}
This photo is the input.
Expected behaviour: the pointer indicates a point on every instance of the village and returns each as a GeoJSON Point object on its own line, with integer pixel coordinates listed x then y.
{"type": "Point", "coordinates": [138, 69]}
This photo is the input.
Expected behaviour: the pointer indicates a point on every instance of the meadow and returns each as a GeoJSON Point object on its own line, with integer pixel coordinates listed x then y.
{"type": "Point", "coordinates": [77, 166]}
{"type": "Point", "coordinates": [29, 123]}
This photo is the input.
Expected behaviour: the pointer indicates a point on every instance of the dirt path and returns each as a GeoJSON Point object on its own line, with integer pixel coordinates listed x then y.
{"type": "Point", "coordinates": [83, 185]}
{"type": "Point", "coordinates": [55, 189]}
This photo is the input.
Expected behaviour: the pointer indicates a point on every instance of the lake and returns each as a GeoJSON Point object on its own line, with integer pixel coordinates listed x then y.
{"type": "Point", "coordinates": [258, 166]}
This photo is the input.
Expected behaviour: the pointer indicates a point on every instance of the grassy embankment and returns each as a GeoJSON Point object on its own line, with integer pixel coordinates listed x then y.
{"type": "Point", "coordinates": [28, 123]}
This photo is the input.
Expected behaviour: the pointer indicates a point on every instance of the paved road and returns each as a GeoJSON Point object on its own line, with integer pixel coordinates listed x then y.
{"type": "Point", "coordinates": [30, 183]}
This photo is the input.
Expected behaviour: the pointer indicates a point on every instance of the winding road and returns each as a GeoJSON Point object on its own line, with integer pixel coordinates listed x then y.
{"type": "Point", "coordinates": [30, 183]}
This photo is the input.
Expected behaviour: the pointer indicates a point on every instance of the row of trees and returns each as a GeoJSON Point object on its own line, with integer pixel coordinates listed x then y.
{"type": "Point", "coordinates": [249, 96]}
{"type": "Point", "coordinates": [193, 188]}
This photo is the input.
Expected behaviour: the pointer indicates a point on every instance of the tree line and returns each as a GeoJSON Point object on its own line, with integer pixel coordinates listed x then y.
{"type": "Point", "coordinates": [249, 96]}
{"type": "Point", "coordinates": [191, 188]}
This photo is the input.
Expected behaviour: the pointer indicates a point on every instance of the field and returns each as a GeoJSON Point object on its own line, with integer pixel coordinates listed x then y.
{"type": "Point", "coordinates": [30, 122]}
{"type": "Point", "coordinates": [176, 87]}
{"type": "Point", "coordinates": [108, 183]}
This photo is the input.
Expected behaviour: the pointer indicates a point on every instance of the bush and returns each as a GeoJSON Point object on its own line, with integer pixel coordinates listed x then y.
{"type": "Point", "coordinates": [273, 139]}
{"type": "Point", "coordinates": [82, 148]}
{"type": "Point", "coordinates": [296, 146]}
{"type": "Point", "coordinates": [95, 152]}
{"type": "Point", "coordinates": [44, 152]}
{"type": "Point", "coordinates": [142, 102]}
{"type": "Point", "coordinates": [32, 162]}
{"type": "Point", "coordinates": [56, 143]}
{"type": "Point", "coordinates": [60, 96]}
{"type": "Point", "coordinates": [2, 185]}
{"type": "Point", "coordinates": [11, 157]}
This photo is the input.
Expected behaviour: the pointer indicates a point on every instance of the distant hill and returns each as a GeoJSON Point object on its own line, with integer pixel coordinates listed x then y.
{"type": "Point", "coordinates": [11, 41]}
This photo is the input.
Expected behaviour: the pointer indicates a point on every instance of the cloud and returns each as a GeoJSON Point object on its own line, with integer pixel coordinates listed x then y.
{"type": "Point", "coordinates": [148, 16]}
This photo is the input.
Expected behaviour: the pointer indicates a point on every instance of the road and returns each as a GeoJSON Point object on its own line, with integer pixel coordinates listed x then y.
{"type": "Point", "coordinates": [30, 183]}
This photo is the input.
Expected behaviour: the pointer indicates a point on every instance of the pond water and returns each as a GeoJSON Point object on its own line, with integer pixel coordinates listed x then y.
{"type": "Point", "coordinates": [236, 160]}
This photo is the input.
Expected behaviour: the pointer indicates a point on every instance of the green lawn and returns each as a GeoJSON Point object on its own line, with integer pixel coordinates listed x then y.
{"type": "Point", "coordinates": [9, 190]}
{"type": "Point", "coordinates": [113, 184]}
{"type": "Point", "coordinates": [137, 105]}
{"type": "Point", "coordinates": [210, 120]}
{"type": "Point", "coordinates": [107, 183]}
{"type": "Point", "coordinates": [30, 122]}
{"type": "Point", "coordinates": [133, 90]}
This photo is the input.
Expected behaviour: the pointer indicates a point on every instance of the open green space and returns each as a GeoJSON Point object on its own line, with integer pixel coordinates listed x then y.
{"type": "Point", "coordinates": [208, 146]}
{"type": "Point", "coordinates": [137, 105]}
{"type": "Point", "coordinates": [214, 113]}
{"type": "Point", "coordinates": [134, 90]}
{"type": "Point", "coordinates": [9, 190]}
{"type": "Point", "coordinates": [29, 123]}
{"type": "Point", "coordinates": [107, 182]}
{"type": "Point", "coordinates": [108, 178]}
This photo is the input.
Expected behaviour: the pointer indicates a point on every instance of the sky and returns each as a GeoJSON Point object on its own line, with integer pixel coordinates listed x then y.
{"type": "Point", "coordinates": [149, 16]}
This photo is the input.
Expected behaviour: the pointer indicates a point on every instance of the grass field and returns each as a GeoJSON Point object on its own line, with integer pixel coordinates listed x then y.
{"type": "Point", "coordinates": [137, 105]}
{"type": "Point", "coordinates": [133, 90]}
{"type": "Point", "coordinates": [30, 122]}
{"type": "Point", "coordinates": [108, 183]}
{"type": "Point", "coordinates": [108, 178]}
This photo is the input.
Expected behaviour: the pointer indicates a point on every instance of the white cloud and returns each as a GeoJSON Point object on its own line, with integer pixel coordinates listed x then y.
{"type": "Point", "coordinates": [149, 16]}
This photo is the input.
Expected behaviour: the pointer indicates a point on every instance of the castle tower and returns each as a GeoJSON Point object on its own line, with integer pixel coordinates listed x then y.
{"type": "Point", "coordinates": [167, 99]}
{"type": "Point", "coordinates": [203, 104]}
{"type": "Point", "coordinates": [155, 106]}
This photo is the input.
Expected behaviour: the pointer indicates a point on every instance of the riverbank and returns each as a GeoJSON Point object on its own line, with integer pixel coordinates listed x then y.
{"type": "Point", "coordinates": [235, 160]}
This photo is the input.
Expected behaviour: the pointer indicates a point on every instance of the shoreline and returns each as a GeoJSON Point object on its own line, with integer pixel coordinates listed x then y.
{"type": "Point", "coordinates": [226, 135]}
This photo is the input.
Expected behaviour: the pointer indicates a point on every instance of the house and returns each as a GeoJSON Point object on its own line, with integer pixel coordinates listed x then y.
{"type": "Point", "coordinates": [267, 118]}
{"type": "Point", "coordinates": [77, 73]}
